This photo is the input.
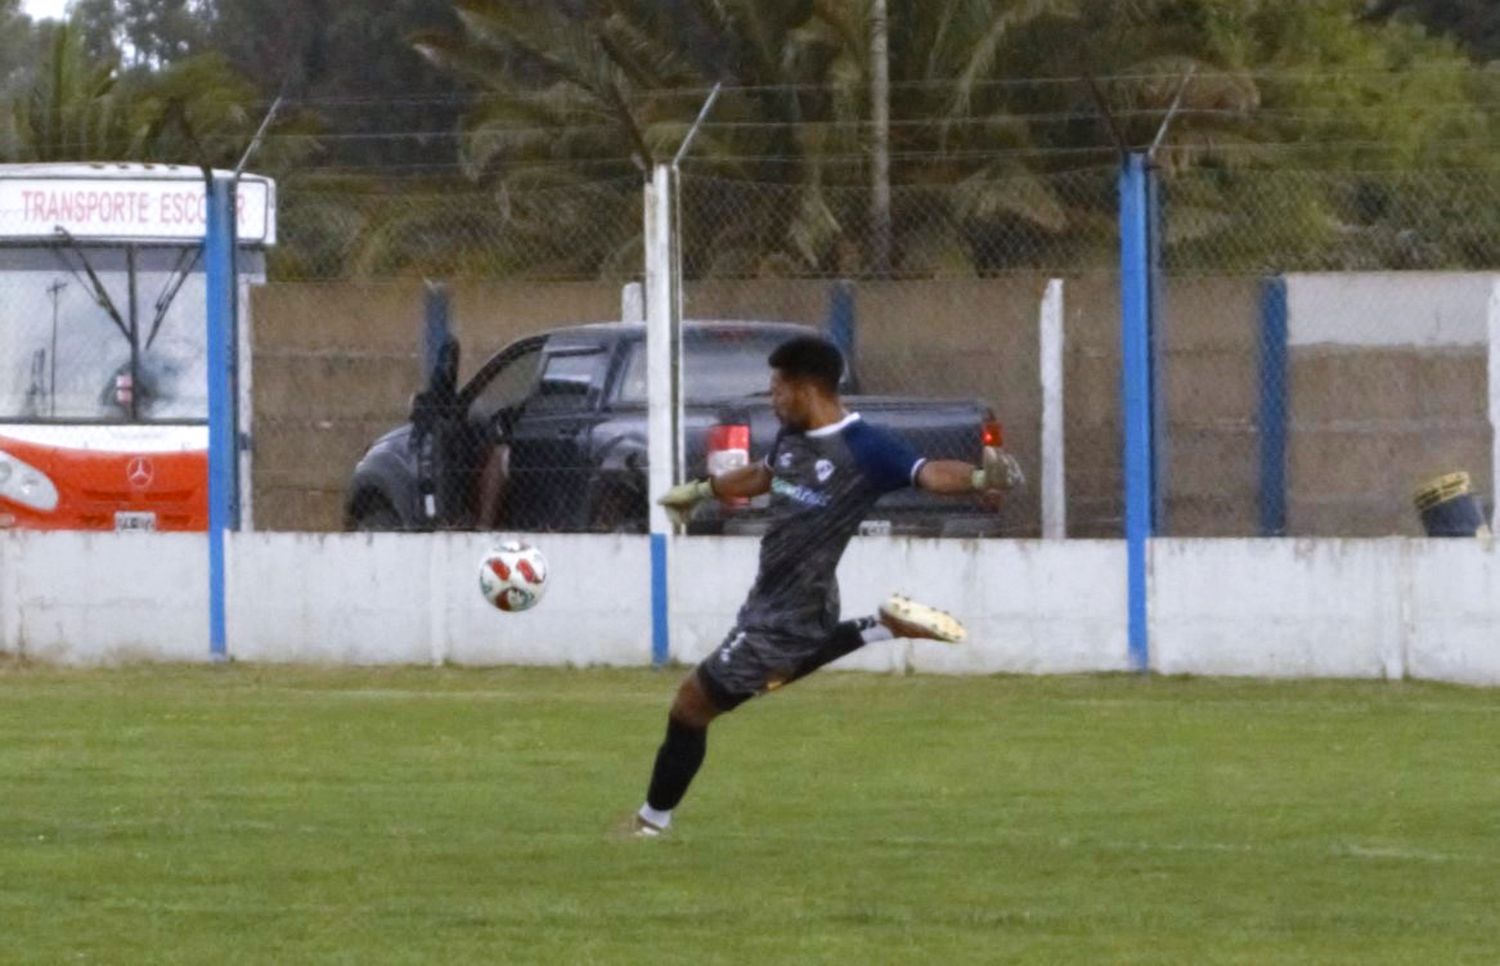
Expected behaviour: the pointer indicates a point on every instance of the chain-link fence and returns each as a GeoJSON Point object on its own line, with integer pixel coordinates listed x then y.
{"type": "Point", "coordinates": [350, 428]}
{"type": "Point", "coordinates": [1324, 346]}
{"type": "Point", "coordinates": [934, 302]}
{"type": "Point", "coordinates": [549, 434]}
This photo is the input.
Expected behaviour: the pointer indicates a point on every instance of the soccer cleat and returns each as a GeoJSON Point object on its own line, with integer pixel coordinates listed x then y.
{"type": "Point", "coordinates": [907, 618]}
{"type": "Point", "coordinates": [645, 830]}
{"type": "Point", "coordinates": [635, 827]}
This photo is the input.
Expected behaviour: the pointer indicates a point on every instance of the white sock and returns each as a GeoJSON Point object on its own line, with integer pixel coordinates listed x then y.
{"type": "Point", "coordinates": [659, 819]}
{"type": "Point", "coordinates": [872, 631]}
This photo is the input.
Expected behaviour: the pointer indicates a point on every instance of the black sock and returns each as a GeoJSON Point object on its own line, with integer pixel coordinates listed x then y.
{"type": "Point", "coordinates": [677, 762]}
{"type": "Point", "coordinates": [846, 638]}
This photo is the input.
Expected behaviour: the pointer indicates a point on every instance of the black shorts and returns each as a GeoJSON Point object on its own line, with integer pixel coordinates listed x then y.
{"type": "Point", "coordinates": [749, 663]}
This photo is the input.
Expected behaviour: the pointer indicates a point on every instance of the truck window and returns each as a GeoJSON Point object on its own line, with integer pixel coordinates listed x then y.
{"type": "Point", "coordinates": [509, 386]}
{"type": "Point", "coordinates": [568, 381]}
{"type": "Point", "coordinates": [717, 365]}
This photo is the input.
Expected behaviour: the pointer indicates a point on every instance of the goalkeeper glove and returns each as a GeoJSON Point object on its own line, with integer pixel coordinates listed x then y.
{"type": "Point", "coordinates": [999, 471]}
{"type": "Point", "coordinates": [681, 499]}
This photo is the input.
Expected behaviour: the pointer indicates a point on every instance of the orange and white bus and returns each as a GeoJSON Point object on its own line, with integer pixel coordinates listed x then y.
{"type": "Point", "coordinates": [103, 374]}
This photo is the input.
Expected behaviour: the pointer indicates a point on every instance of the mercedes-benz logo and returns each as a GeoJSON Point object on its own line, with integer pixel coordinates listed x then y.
{"type": "Point", "coordinates": [140, 472]}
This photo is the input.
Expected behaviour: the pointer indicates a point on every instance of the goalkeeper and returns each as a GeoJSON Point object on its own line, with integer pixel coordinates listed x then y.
{"type": "Point", "coordinates": [824, 473]}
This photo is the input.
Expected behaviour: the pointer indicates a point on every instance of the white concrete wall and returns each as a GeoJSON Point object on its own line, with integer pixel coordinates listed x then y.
{"type": "Point", "coordinates": [1031, 606]}
{"type": "Point", "coordinates": [408, 598]}
{"type": "Point", "coordinates": [84, 598]}
{"type": "Point", "coordinates": [1392, 608]}
{"type": "Point", "coordinates": [1274, 608]}
{"type": "Point", "coordinates": [1277, 608]}
{"type": "Point", "coordinates": [1389, 309]}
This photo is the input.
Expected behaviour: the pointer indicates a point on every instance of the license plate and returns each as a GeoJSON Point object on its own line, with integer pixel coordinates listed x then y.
{"type": "Point", "coordinates": [875, 528]}
{"type": "Point", "coordinates": [135, 522]}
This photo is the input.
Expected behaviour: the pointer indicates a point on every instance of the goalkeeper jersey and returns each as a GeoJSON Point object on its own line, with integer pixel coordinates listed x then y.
{"type": "Point", "coordinates": [824, 481]}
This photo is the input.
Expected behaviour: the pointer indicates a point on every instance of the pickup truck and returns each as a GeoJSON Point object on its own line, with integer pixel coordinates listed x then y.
{"type": "Point", "coordinates": [550, 435]}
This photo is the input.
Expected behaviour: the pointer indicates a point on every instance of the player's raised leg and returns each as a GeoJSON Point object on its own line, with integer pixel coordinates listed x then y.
{"type": "Point", "coordinates": [898, 617]}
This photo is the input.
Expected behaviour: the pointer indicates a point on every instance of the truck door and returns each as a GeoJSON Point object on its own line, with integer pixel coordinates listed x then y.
{"type": "Point", "coordinates": [550, 467]}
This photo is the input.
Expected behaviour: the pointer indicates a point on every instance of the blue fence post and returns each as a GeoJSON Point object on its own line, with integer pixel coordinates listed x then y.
{"type": "Point", "coordinates": [1136, 395]}
{"type": "Point", "coordinates": [841, 320]}
{"type": "Point", "coordinates": [1273, 406]}
{"type": "Point", "coordinates": [223, 476]}
{"type": "Point", "coordinates": [661, 649]}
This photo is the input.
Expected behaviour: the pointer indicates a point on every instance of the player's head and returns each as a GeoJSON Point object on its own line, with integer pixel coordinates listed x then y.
{"type": "Point", "coordinates": [805, 374]}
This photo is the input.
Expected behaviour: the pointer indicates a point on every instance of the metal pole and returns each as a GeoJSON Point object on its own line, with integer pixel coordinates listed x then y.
{"type": "Point", "coordinates": [1273, 406]}
{"type": "Point", "coordinates": [221, 296]}
{"type": "Point", "coordinates": [692, 133]}
{"type": "Point", "coordinates": [1136, 402]}
{"type": "Point", "coordinates": [1054, 485]}
{"type": "Point", "coordinates": [880, 116]}
{"type": "Point", "coordinates": [660, 379]}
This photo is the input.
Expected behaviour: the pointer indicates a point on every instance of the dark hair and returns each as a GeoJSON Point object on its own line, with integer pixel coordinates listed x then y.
{"type": "Point", "coordinates": [812, 358]}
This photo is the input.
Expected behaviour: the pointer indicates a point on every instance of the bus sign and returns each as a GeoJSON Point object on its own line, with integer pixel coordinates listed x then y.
{"type": "Point", "coordinates": [138, 204]}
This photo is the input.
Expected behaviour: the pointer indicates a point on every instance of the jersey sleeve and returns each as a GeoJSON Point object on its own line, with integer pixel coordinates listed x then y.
{"type": "Point", "coordinates": [886, 460]}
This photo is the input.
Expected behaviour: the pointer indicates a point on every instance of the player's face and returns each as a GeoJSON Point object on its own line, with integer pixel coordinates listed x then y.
{"type": "Point", "coordinates": [791, 400]}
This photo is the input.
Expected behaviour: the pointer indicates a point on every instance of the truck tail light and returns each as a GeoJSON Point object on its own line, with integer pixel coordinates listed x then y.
{"type": "Point", "coordinates": [991, 433]}
{"type": "Point", "coordinates": [728, 449]}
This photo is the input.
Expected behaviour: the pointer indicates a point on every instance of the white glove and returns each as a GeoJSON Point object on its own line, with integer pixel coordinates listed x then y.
{"type": "Point", "coordinates": [680, 500]}
{"type": "Point", "coordinates": [999, 471]}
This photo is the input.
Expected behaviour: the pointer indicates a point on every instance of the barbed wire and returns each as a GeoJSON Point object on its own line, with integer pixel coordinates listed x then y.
{"type": "Point", "coordinates": [1392, 74]}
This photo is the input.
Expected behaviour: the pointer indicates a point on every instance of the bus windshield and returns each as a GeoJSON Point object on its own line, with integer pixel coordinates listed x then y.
{"type": "Point", "coordinates": [110, 334]}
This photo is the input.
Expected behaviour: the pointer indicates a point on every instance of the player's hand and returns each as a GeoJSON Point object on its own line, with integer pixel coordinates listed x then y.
{"type": "Point", "coordinates": [681, 499]}
{"type": "Point", "coordinates": [999, 471]}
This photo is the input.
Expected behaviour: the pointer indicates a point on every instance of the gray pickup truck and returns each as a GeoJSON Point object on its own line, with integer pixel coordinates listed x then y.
{"type": "Point", "coordinates": [556, 425]}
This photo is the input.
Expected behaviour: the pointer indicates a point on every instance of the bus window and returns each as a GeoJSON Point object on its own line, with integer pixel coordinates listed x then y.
{"type": "Point", "coordinates": [102, 335]}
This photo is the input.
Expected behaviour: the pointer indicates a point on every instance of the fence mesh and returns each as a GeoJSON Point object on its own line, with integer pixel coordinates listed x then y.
{"type": "Point", "coordinates": [1324, 345]}
{"type": "Point", "coordinates": [340, 355]}
{"type": "Point", "coordinates": [938, 317]}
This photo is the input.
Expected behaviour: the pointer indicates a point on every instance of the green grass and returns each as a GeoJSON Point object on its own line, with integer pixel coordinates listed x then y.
{"type": "Point", "coordinates": [254, 814]}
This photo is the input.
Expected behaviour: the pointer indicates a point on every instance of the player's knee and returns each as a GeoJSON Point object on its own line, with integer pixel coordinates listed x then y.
{"type": "Point", "coordinates": [692, 706]}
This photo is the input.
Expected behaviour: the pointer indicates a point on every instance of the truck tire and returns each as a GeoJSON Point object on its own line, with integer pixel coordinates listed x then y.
{"type": "Point", "coordinates": [617, 508]}
{"type": "Point", "coordinates": [376, 515]}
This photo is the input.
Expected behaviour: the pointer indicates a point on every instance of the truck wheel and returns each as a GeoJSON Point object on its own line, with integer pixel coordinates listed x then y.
{"type": "Point", "coordinates": [376, 515]}
{"type": "Point", "coordinates": [617, 509]}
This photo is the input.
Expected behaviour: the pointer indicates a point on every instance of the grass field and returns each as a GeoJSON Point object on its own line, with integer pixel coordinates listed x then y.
{"type": "Point", "coordinates": [252, 814]}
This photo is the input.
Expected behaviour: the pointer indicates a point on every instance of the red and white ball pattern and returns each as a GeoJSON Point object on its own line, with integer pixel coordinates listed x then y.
{"type": "Point", "coordinates": [513, 576]}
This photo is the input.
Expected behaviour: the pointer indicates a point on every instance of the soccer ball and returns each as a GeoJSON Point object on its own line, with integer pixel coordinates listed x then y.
{"type": "Point", "coordinates": [513, 576]}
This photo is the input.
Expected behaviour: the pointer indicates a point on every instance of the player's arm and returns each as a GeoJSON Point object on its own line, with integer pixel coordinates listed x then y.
{"type": "Point", "coordinates": [998, 472]}
{"type": "Point", "coordinates": [946, 476]}
{"type": "Point", "coordinates": [742, 483]}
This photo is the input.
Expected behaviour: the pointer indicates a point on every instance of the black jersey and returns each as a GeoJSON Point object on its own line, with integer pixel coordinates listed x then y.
{"type": "Point", "coordinates": [824, 482]}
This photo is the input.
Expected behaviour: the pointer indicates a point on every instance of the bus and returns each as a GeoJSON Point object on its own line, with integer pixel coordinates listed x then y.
{"type": "Point", "coordinates": [103, 342]}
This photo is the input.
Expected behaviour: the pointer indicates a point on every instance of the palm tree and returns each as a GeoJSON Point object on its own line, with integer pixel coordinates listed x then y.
{"type": "Point", "coordinates": [197, 111]}
{"type": "Point", "coordinates": [622, 80]}
{"type": "Point", "coordinates": [72, 111]}
{"type": "Point", "coordinates": [990, 171]}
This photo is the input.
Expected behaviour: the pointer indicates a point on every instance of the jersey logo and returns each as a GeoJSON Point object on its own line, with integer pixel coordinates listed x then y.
{"type": "Point", "coordinates": [785, 462]}
{"type": "Point", "coordinates": [729, 648]}
{"type": "Point", "coordinates": [824, 469]}
{"type": "Point", "coordinates": [804, 495]}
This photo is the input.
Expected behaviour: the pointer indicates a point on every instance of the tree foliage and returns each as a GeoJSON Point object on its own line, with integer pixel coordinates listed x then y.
{"type": "Point", "coordinates": [1475, 24]}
